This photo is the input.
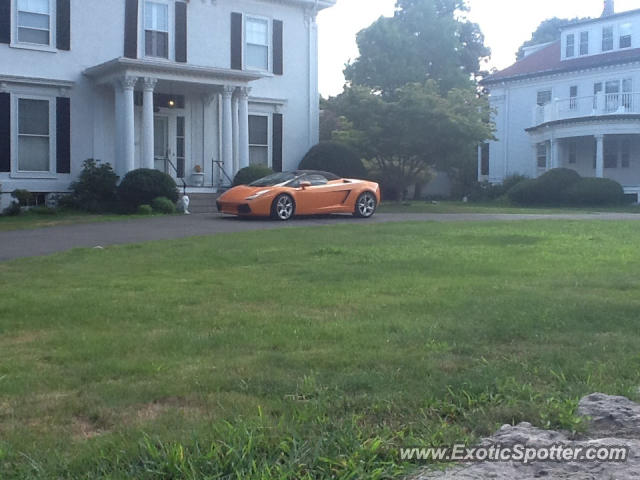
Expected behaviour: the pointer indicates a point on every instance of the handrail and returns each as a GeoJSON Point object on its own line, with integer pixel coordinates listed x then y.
{"type": "Point", "coordinates": [587, 106]}
{"type": "Point", "coordinates": [175, 169]}
{"type": "Point", "coordinates": [220, 165]}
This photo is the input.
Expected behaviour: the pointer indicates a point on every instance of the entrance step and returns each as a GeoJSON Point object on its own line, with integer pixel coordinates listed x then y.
{"type": "Point", "coordinates": [203, 202]}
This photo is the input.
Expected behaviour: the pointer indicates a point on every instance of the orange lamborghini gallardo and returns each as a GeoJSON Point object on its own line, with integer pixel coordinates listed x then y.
{"type": "Point", "coordinates": [301, 192]}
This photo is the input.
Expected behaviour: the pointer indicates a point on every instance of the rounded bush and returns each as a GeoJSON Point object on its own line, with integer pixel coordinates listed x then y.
{"type": "Point", "coordinates": [335, 158]}
{"type": "Point", "coordinates": [163, 205]}
{"type": "Point", "coordinates": [549, 189]}
{"type": "Point", "coordinates": [596, 192]}
{"type": "Point", "coordinates": [524, 193]}
{"type": "Point", "coordinates": [144, 210]}
{"type": "Point", "coordinates": [142, 186]}
{"type": "Point", "coordinates": [12, 210]}
{"type": "Point", "coordinates": [250, 174]}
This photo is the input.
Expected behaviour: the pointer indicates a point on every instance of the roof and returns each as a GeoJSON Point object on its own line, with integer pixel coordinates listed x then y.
{"type": "Point", "coordinates": [603, 19]}
{"type": "Point", "coordinates": [547, 61]}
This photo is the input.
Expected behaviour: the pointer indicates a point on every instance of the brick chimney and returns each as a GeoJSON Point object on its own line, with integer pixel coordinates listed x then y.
{"type": "Point", "coordinates": [609, 8]}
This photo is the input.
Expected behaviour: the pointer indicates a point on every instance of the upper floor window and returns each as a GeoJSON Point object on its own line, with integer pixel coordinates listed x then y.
{"type": "Point", "coordinates": [571, 45]}
{"type": "Point", "coordinates": [34, 22]}
{"type": "Point", "coordinates": [625, 35]}
{"type": "Point", "coordinates": [573, 97]}
{"type": "Point", "coordinates": [257, 40]}
{"type": "Point", "coordinates": [584, 43]}
{"type": "Point", "coordinates": [607, 39]}
{"type": "Point", "coordinates": [34, 143]}
{"type": "Point", "coordinates": [156, 29]}
{"type": "Point", "coordinates": [544, 97]}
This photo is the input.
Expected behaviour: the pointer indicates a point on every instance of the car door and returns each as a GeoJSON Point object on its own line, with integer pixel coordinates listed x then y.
{"type": "Point", "coordinates": [323, 196]}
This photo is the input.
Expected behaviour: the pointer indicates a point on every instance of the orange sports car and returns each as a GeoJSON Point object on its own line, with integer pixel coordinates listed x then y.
{"type": "Point", "coordinates": [301, 192]}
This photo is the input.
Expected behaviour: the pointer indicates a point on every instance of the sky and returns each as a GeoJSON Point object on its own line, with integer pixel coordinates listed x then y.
{"type": "Point", "coordinates": [506, 24]}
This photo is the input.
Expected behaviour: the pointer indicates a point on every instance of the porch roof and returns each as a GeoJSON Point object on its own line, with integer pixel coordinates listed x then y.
{"type": "Point", "coordinates": [110, 71]}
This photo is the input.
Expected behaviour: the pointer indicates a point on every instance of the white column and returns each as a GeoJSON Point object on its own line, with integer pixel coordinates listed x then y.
{"type": "Point", "coordinates": [555, 153]}
{"type": "Point", "coordinates": [600, 156]}
{"type": "Point", "coordinates": [147, 122]}
{"type": "Point", "coordinates": [243, 134]}
{"type": "Point", "coordinates": [227, 133]}
{"type": "Point", "coordinates": [236, 136]}
{"type": "Point", "coordinates": [127, 84]}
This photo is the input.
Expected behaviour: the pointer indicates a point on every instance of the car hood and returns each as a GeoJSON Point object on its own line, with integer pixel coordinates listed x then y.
{"type": "Point", "coordinates": [241, 192]}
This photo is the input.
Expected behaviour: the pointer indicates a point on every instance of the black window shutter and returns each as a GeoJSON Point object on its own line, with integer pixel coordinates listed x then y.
{"type": "Point", "coordinates": [63, 135]}
{"type": "Point", "coordinates": [5, 21]}
{"type": "Point", "coordinates": [181, 32]}
{"type": "Point", "coordinates": [63, 24]}
{"type": "Point", "coordinates": [278, 54]}
{"type": "Point", "coordinates": [236, 41]}
{"type": "Point", "coordinates": [131, 29]}
{"type": "Point", "coordinates": [5, 132]}
{"type": "Point", "coordinates": [277, 142]}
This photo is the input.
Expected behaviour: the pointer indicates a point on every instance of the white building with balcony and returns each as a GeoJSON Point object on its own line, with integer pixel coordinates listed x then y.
{"type": "Point", "coordinates": [196, 88]}
{"type": "Point", "coordinates": [573, 103]}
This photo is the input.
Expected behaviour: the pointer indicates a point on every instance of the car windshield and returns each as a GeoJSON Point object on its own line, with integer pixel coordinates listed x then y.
{"type": "Point", "coordinates": [272, 180]}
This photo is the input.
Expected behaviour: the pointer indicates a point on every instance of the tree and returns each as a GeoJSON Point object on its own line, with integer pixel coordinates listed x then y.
{"type": "Point", "coordinates": [419, 129]}
{"type": "Point", "coordinates": [424, 40]}
{"type": "Point", "coordinates": [547, 31]}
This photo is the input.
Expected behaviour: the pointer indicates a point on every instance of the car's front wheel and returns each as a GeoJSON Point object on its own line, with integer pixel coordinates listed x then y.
{"type": "Point", "coordinates": [366, 205]}
{"type": "Point", "coordinates": [283, 207]}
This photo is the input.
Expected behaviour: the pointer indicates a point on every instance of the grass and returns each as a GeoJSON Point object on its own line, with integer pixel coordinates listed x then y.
{"type": "Point", "coordinates": [30, 220]}
{"type": "Point", "coordinates": [308, 353]}
{"type": "Point", "coordinates": [491, 208]}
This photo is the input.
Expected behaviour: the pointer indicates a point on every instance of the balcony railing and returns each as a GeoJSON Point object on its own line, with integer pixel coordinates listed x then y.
{"type": "Point", "coordinates": [592, 106]}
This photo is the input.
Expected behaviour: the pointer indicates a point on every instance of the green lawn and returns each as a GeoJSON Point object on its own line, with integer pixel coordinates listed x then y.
{"type": "Point", "coordinates": [308, 353]}
{"type": "Point", "coordinates": [62, 217]}
{"type": "Point", "coordinates": [460, 207]}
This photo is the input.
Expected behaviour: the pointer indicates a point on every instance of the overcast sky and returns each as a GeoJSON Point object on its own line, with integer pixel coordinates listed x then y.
{"type": "Point", "coordinates": [506, 24]}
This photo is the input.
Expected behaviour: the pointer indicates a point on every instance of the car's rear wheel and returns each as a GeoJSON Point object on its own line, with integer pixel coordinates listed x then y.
{"type": "Point", "coordinates": [366, 205]}
{"type": "Point", "coordinates": [283, 207]}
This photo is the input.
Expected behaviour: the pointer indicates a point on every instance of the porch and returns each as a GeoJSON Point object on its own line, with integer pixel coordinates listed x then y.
{"type": "Point", "coordinates": [594, 106]}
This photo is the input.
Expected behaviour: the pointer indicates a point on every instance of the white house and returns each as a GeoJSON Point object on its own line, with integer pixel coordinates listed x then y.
{"type": "Point", "coordinates": [181, 86]}
{"type": "Point", "coordinates": [573, 103]}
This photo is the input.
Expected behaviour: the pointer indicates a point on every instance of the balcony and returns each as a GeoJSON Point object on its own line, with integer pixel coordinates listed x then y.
{"type": "Point", "coordinates": [585, 107]}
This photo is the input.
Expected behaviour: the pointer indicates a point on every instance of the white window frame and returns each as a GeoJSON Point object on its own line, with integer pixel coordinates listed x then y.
{"type": "Point", "coordinates": [539, 155]}
{"type": "Point", "coordinates": [269, 137]}
{"type": "Point", "coordinates": [15, 43]}
{"type": "Point", "coordinates": [625, 30]}
{"type": "Point", "coordinates": [588, 40]}
{"type": "Point", "coordinates": [142, 42]}
{"type": "Point", "coordinates": [613, 38]}
{"type": "Point", "coordinates": [544, 90]}
{"type": "Point", "coordinates": [570, 53]}
{"type": "Point", "coordinates": [15, 135]}
{"type": "Point", "coordinates": [269, 44]}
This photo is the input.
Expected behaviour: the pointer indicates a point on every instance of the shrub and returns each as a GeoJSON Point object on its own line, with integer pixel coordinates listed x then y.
{"type": "Point", "coordinates": [24, 197]}
{"type": "Point", "coordinates": [485, 191]}
{"type": "Point", "coordinates": [549, 189]}
{"type": "Point", "coordinates": [250, 174]}
{"type": "Point", "coordinates": [144, 210]}
{"type": "Point", "coordinates": [163, 205]}
{"type": "Point", "coordinates": [12, 210]}
{"type": "Point", "coordinates": [43, 211]}
{"type": "Point", "coordinates": [524, 193]}
{"type": "Point", "coordinates": [95, 188]}
{"type": "Point", "coordinates": [142, 186]}
{"type": "Point", "coordinates": [596, 191]}
{"type": "Point", "coordinates": [335, 158]}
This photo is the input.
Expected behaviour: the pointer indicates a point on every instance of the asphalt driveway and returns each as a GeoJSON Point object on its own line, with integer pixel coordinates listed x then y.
{"type": "Point", "coordinates": [29, 243]}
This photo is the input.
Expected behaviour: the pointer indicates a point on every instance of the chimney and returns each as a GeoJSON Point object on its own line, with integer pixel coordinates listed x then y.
{"type": "Point", "coordinates": [609, 8]}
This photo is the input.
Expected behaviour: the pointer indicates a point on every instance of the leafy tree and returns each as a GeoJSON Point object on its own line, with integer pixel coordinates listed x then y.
{"type": "Point", "coordinates": [547, 31]}
{"type": "Point", "coordinates": [424, 40]}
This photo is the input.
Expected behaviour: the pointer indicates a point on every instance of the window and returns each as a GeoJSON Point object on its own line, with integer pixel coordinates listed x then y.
{"type": "Point", "coordinates": [610, 152]}
{"type": "Point", "coordinates": [484, 159]}
{"type": "Point", "coordinates": [571, 45]}
{"type": "Point", "coordinates": [180, 147]}
{"type": "Point", "coordinates": [257, 40]}
{"type": "Point", "coordinates": [597, 90]}
{"type": "Point", "coordinates": [625, 35]}
{"type": "Point", "coordinates": [625, 153]}
{"type": "Point", "coordinates": [33, 135]}
{"type": "Point", "coordinates": [627, 97]}
{"type": "Point", "coordinates": [156, 29]}
{"type": "Point", "coordinates": [316, 179]}
{"type": "Point", "coordinates": [258, 140]}
{"type": "Point", "coordinates": [607, 39]}
{"type": "Point", "coordinates": [573, 98]}
{"type": "Point", "coordinates": [541, 152]}
{"type": "Point", "coordinates": [544, 97]}
{"type": "Point", "coordinates": [573, 152]}
{"type": "Point", "coordinates": [34, 22]}
{"type": "Point", "coordinates": [584, 43]}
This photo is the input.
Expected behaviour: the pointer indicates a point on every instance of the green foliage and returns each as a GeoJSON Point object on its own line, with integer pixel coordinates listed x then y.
{"type": "Point", "coordinates": [424, 40]}
{"type": "Point", "coordinates": [43, 211]}
{"type": "Point", "coordinates": [547, 31]}
{"type": "Point", "coordinates": [95, 189]}
{"type": "Point", "coordinates": [144, 210]}
{"type": "Point", "coordinates": [250, 174]}
{"type": "Point", "coordinates": [24, 197]}
{"type": "Point", "coordinates": [12, 210]}
{"type": "Point", "coordinates": [163, 205]}
{"type": "Point", "coordinates": [335, 158]}
{"type": "Point", "coordinates": [486, 191]}
{"type": "Point", "coordinates": [142, 186]}
{"type": "Point", "coordinates": [596, 191]}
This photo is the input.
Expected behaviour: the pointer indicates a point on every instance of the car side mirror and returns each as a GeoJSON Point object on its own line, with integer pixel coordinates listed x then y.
{"type": "Point", "coordinates": [305, 184]}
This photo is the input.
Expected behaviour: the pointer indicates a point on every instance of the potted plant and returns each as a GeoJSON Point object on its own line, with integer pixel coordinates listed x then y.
{"type": "Point", "coordinates": [197, 176]}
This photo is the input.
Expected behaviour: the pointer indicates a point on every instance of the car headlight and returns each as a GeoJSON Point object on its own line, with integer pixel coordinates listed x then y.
{"type": "Point", "coordinates": [258, 194]}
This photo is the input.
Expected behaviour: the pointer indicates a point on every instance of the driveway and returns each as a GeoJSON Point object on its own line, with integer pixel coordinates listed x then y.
{"type": "Point", "coordinates": [29, 243]}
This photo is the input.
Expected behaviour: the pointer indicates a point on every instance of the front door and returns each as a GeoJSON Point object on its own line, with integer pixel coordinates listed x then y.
{"type": "Point", "coordinates": [161, 143]}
